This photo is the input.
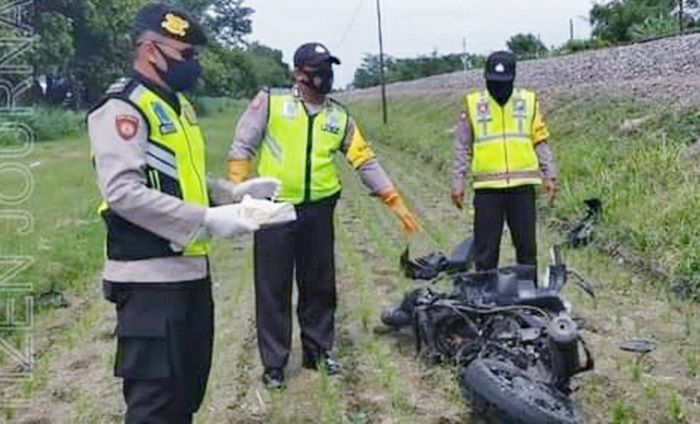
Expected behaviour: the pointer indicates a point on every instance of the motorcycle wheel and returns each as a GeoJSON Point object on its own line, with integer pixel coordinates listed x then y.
{"type": "Point", "coordinates": [515, 397]}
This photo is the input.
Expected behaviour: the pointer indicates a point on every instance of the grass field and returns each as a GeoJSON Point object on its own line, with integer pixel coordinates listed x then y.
{"type": "Point", "coordinates": [386, 383]}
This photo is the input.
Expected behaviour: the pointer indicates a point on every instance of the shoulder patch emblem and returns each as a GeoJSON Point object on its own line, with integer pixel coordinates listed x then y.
{"type": "Point", "coordinates": [127, 126]}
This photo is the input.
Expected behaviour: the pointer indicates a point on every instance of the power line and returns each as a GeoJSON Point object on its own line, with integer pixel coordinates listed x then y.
{"type": "Point", "coordinates": [355, 14]}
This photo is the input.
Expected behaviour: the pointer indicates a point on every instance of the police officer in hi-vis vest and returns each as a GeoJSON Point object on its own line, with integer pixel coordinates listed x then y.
{"type": "Point", "coordinates": [502, 135]}
{"type": "Point", "coordinates": [149, 156]}
{"type": "Point", "coordinates": [295, 135]}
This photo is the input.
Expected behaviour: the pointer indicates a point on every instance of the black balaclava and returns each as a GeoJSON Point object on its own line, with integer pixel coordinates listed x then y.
{"type": "Point", "coordinates": [500, 91]}
{"type": "Point", "coordinates": [499, 73]}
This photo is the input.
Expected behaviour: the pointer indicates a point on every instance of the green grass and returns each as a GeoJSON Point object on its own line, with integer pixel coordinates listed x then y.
{"type": "Point", "coordinates": [47, 124]}
{"type": "Point", "coordinates": [649, 192]}
{"type": "Point", "coordinates": [66, 243]}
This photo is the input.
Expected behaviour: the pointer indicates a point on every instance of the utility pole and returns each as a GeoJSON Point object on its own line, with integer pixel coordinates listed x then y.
{"type": "Point", "coordinates": [464, 53]}
{"type": "Point", "coordinates": [680, 16]}
{"type": "Point", "coordinates": [381, 63]}
{"type": "Point", "coordinates": [571, 29]}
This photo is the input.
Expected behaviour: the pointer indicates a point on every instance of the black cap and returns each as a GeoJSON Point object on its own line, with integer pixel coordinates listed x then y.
{"type": "Point", "coordinates": [170, 22]}
{"type": "Point", "coordinates": [313, 54]}
{"type": "Point", "coordinates": [500, 66]}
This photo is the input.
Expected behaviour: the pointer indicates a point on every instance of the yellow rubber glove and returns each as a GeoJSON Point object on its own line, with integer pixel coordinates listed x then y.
{"type": "Point", "coordinates": [239, 170]}
{"type": "Point", "coordinates": [393, 200]}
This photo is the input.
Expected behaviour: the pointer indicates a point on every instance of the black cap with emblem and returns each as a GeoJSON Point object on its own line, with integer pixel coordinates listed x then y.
{"type": "Point", "coordinates": [500, 67]}
{"type": "Point", "coordinates": [313, 54]}
{"type": "Point", "coordinates": [170, 22]}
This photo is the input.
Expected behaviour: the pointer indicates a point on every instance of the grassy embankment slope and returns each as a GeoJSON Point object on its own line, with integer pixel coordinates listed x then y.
{"type": "Point", "coordinates": [648, 188]}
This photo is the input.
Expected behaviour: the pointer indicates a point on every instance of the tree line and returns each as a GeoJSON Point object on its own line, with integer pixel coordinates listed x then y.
{"type": "Point", "coordinates": [615, 22]}
{"type": "Point", "coordinates": [84, 45]}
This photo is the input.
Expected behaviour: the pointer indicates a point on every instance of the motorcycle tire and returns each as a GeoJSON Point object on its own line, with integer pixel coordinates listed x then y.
{"type": "Point", "coordinates": [514, 396]}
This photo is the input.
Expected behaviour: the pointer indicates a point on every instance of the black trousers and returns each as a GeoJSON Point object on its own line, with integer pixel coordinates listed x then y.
{"type": "Point", "coordinates": [302, 249]}
{"type": "Point", "coordinates": [517, 207]}
{"type": "Point", "coordinates": [164, 347]}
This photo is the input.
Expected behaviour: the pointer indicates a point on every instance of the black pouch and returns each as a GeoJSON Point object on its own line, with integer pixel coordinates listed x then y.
{"type": "Point", "coordinates": [142, 345]}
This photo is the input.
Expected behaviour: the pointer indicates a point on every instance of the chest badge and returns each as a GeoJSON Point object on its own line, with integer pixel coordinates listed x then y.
{"type": "Point", "coordinates": [290, 110]}
{"type": "Point", "coordinates": [483, 111]}
{"type": "Point", "coordinates": [520, 108]}
{"type": "Point", "coordinates": [166, 125]}
{"type": "Point", "coordinates": [332, 124]}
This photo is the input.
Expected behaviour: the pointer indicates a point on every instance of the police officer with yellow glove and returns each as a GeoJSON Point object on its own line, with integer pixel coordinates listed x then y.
{"type": "Point", "coordinates": [502, 135]}
{"type": "Point", "coordinates": [149, 156]}
{"type": "Point", "coordinates": [295, 134]}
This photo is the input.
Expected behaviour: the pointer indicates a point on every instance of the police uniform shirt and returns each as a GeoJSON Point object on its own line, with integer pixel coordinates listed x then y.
{"type": "Point", "coordinates": [463, 149]}
{"type": "Point", "coordinates": [118, 136]}
{"type": "Point", "coordinates": [250, 133]}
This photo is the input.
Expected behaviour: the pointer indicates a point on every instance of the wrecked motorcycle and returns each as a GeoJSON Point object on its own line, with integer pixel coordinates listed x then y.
{"type": "Point", "coordinates": [515, 344]}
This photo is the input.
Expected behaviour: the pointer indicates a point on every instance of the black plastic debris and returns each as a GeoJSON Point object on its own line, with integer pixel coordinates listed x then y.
{"type": "Point", "coordinates": [431, 265]}
{"type": "Point", "coordinates": [581, 233]}
{"type": "Point", "coordinates": [52, 299]}
{"type": "Point", "coordinates": [462, 257]}
{"type": "Point", "coordinates": [638, 346]}
{"type": "Point", "coordinates": [425, 267]}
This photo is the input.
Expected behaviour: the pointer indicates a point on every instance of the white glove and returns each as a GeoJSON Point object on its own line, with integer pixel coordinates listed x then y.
{"type": "Point", "coordinates": [228, 221]}
{"type": "Point", "coordinates": [223, 192]}
{"type": "Point", "coordinates": [265, 212]}
{"type": "Point", "coordinates": [257, 188]}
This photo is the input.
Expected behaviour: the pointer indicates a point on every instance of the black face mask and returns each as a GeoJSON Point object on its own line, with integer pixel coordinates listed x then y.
{"type": "Point", "coordinates": [500, 90]}
{"type": "Point", "coordinates": [321, 80]}
{"type": "Point", "coordinates": [181, 75]}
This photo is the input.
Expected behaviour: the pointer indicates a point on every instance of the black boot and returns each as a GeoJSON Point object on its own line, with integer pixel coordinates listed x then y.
{"type": "Point", "coordinates": [323, 360]}
{"type": "Point", "coordinates": [273, 379]}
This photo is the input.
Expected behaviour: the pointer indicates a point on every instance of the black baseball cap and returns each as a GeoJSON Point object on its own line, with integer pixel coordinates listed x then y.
{"type": "Point", "coordinates": [313, 54]}
{"type": "Point", "coordinates": [170, 22]}
{"type": "Point", "coordinates": [500, 66]}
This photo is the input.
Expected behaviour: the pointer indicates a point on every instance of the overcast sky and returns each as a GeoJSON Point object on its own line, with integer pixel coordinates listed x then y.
{"type": "Point", "coordinates": [411, 27]}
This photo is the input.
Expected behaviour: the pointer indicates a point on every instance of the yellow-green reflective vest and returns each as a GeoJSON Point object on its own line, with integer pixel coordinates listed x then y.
{"type": "Point", "coordinates": [503, 152]}
{"type": "Point", "coordinates": [299, 149]}
{"type": "Point", "coordinates": [176, 165]}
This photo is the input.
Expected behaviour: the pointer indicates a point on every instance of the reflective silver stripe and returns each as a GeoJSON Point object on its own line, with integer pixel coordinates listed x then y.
{"type": "Point", "coordinates": [274, 147]}
{"type": "Point", "coordinates": [159, 165]}
{"type": "Point", "coordinates": [162, 154]}
{"type": "Point", "coordinates": [137, 93]}
{"type": "Point", "coordinates": [497, 176]}
{"type": "Point", "coordinates": [508, 136]}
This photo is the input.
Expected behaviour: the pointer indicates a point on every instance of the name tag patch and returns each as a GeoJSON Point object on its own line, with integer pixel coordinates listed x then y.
{"type": "Point", "coordinates": [166, 125]}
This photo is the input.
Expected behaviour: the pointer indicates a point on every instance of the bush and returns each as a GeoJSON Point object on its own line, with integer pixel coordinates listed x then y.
{"type": "Point", "coordinates": [573, 46]}
{"type": "Point", "coordinates": [654, 26]}
{"type": "Point", "coordinates": [47, 124]}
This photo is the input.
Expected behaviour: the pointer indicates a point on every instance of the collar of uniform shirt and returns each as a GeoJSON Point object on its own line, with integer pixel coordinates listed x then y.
{"type": "Point", "coordinates": [167, 95]}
